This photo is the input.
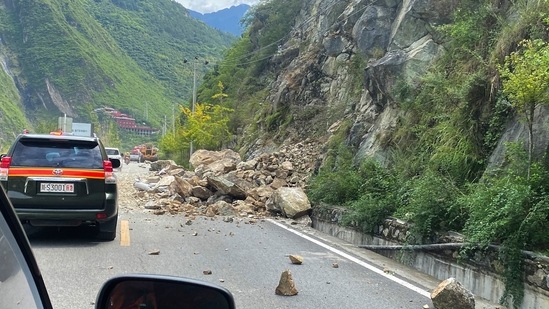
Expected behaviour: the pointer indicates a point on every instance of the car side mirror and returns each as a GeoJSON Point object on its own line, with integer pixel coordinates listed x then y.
{"type": "Point", "coordinates": [115, 163]}
{"type": "Point", "coordinates": [162, 292]}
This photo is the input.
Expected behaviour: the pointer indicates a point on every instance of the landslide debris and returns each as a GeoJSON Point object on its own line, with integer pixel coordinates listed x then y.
{"type": "Point", "coordinates": [222, 184]}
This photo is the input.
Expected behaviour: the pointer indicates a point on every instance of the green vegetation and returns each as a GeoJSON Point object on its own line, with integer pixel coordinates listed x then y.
{"type": "Point", "coordinates": [510, 207]}
{"type": "Point", "coordinates": [11, 114]}
{"type": "Point", "coordinates": [243, 70]}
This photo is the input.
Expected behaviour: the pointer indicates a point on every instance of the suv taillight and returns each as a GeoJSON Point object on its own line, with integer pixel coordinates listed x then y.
{"type": "Point", "coordinates": [4, 168]}
{"type": "Point", "coordinates": [109, 174]}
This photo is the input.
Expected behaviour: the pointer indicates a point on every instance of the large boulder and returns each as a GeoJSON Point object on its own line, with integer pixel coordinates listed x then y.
{"type": "Point", "coordinates": [291, 202]}
{"type": "Point", "coordinates": [163, 164]}
{"type": "Point", "coordinates": [207, 157]}
{"type": "Point", "coordinates": [450, 294]}
{"type": "Point", "coordinates": [163, 183]}
{"type": "Point", "coordinates": [181, 186]}
{"type": "Point", "coordinates": [233, 187]}
{"type": "Point", "coordinates": [221, 208]}
{"type": "Point", "coordinates": [202, 193]}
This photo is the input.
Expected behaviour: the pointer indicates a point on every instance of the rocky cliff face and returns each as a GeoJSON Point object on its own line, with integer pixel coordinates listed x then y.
{"type": "Point", "coordinates": [344, 61]}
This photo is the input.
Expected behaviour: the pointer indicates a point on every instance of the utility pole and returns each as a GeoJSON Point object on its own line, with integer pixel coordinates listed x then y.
{"type": "Point", "coordinates": [194, 83]}
{"type": "Point", "coordinates": [173, 120]}
{"type": "Point", "coordinates": [191, 150]}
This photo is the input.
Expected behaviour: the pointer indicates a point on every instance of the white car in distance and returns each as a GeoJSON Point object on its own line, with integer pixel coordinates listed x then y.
{"type": "Point", "coordinates": [114, 153]}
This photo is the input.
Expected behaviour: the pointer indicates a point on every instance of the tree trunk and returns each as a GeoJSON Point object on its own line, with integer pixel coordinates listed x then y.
{"type": "Point", "coordinates": [530, 123]}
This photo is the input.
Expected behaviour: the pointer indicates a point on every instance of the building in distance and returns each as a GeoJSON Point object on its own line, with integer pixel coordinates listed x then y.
{"type": "Point", "coordinates": [127, 123]}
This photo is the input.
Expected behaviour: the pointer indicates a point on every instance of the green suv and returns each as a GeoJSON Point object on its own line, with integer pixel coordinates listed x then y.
{"type": "Point", "coordinates": [62, 180]}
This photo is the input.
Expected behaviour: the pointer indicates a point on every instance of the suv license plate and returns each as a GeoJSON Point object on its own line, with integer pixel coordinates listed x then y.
{"type": "Point", "coordinates": [57, 187]}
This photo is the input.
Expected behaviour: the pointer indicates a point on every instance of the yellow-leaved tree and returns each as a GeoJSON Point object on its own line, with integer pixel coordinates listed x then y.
{"type": "Point", "coordinates": [220, 95]}
{"type": "Point", "coordinates": [206, 128]}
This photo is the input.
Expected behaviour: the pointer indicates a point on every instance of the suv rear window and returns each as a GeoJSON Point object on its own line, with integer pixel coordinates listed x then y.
{"type": "Point", "coordinates": [52, 153]}
{"type": "Point", "coordinates": [111, 151]}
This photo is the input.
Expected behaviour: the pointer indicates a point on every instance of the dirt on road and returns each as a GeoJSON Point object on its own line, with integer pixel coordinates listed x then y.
{"type": "Point", "coordinates": [128, 195]}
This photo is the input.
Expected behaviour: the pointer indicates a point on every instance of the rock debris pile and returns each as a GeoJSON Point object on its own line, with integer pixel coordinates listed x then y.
{"type": "Point", "coordinates": [224, 185]}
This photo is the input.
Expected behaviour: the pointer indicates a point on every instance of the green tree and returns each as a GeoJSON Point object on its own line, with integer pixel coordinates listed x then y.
{"type": "Point", "coordinates": [525, 79]}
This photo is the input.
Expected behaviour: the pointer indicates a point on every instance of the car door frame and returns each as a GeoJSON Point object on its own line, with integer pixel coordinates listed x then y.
{"type": "Point", "coordinates": [20, 246]}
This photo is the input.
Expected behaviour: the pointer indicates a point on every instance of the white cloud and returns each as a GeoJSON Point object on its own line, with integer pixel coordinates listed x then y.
{"type": "Point", "coordinates": [208, 6]}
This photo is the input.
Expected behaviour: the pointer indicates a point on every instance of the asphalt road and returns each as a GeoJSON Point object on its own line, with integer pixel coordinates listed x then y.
{"type": "Point", "coordinates": [245, 256]}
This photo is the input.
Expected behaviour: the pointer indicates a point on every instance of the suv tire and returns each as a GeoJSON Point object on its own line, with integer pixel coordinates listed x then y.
{"type": "Point", "coordinates": [107, 230]}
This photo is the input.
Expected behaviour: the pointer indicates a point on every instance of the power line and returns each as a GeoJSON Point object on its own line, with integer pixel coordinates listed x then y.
{"type": "Point", "coordinates": [285, 37]}
{"type": "Point", "coordinates": [237, 62]}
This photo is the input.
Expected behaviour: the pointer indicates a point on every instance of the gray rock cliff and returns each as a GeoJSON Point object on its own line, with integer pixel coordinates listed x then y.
{"type": "Point", "coordinates": [344, 61]}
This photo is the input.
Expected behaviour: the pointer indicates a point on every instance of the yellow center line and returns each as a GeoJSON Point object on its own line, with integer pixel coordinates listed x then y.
{"type": "Point", "coordinates": [124, 233]}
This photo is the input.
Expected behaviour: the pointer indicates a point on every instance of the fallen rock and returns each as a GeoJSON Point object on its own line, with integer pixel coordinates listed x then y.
{"type": "Point", "coordinates": [226, 186]}
{"type": "Point", "coordinates": [217, 162]}
{"type": "Point", "coordinates": [296, 259]}
{"type": "Point", "coordinates": [152, 205]}
{"type": "Point", "coordinates": [162, 164]}
{"type": "Point", "coordinates": [201, 192]}
{"type": "Point", "coordinates": [286, 285]}
{"type": "Point", "coordinates": [291, 202]}
{"type": "Point", "coordinates": [450, 294]}
{"type": "Point", "coordinates": [163, 183]}
{"type": "Point", "coordinates": [182, 187]}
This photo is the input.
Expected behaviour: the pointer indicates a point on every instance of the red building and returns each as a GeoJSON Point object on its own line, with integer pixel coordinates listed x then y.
{"type": "Point", "coordinates": [127, 123]}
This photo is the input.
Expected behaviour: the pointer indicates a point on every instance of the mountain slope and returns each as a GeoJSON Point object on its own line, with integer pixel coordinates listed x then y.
{"type": "Point", "coordinates": [72, 57]}
{"type": "Point", "coordinates": [160, 37]}
{"type": "Point", "coordinates": [227, 20]}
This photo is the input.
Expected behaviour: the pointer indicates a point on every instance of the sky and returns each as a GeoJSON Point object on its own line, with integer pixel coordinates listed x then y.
{"type": "Point", "coordinates": [208, 6]}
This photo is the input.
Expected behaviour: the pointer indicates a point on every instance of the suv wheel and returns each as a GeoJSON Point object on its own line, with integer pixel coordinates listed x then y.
{"type": "Point", "coordinates": [106, 235]}
{"type": "Point", "coordinates": [107, 230]}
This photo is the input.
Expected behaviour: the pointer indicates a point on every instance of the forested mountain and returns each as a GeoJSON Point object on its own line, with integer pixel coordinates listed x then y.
{"type": "Point", "coordinates": [227, 20]}
{"type": "Point", "coordinates": [71, 57]}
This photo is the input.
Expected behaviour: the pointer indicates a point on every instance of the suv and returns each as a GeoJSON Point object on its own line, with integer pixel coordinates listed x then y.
{"type": "Point", "coordinates": [114, 153]}
{"type": "Point", "coordinates": [62, 180]}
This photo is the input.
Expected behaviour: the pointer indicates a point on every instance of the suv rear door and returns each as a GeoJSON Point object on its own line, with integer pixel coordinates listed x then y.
{"type": "Point", "coordinates": [56, 174]}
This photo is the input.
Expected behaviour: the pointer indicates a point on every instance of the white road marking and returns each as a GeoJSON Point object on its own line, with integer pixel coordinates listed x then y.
{"type": "Point", "coordinates": [357, 261]}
